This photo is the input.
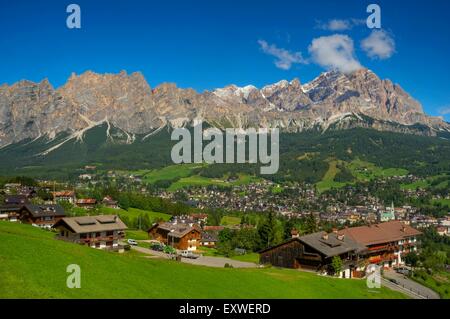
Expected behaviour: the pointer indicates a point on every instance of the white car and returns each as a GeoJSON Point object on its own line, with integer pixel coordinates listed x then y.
{"type": "Point", "coordinates": [132, 242]}
{"type": "Point", "coordinates": [188, 254]}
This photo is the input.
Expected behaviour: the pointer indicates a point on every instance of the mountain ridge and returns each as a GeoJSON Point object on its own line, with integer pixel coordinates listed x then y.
{"type": "Point", "coordinates": [332, 100]}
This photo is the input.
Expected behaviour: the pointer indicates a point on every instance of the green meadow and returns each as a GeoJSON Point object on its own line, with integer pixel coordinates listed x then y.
{"type": "Point", "coordinates": [133, 213]}
{"type": "Point", "coordinates": [360, 170]}
{"type": "Point", "coordinates": [197, 180]}
{"type": "Point", "coordinates": [34, 265]}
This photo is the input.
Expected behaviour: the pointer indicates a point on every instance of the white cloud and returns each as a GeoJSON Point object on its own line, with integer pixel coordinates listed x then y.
{"type": "Point", "coordinates": [339, 24]}
{"type": "Point", "coordinates": [379, 44]}
{"type": "Point", "coordinates": [284, 58]}
{"type": "Point", "coordinates": [444, 110]}
{"type": "Point", "coordinates": [335, 52]}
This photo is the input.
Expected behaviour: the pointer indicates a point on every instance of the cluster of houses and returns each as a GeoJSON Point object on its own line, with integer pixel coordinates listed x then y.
{"type": "Point", "coordinates": [261, 197]}
{"type": "Point", "coordinates": [87, 203]}
{"type": "Point", "coordinates": [102, 232]}
{"type": "Point", "coordinates": [18, 208]}
{"type": "Point", "coordinates": [384, 244]}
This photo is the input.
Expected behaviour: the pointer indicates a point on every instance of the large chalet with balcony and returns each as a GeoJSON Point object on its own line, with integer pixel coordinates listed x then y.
{"type": "Point", "coordinates": [383, 244]}
{"type": "Point", "coordinates": [102, 232]}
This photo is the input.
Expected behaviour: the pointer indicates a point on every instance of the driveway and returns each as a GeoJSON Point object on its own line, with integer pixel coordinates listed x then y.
{"type": "Point", "coordinates": [218, 262]}
{"type": "Point", "coordinates": [201, 261]}
{"type": "Point", "coordinates": [406, 284]}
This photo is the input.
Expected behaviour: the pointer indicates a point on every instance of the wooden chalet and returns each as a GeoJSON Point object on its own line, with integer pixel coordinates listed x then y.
{"type": "Point", "coordinates": [68, 196]}
{"type": "Point", "coordinates": [209, 239]}
{"type": "Point", "coordinates": [10, 213]}
{"type": "Point", "coordinates": [102, 232]}
{"type": "Point", "coordinates": [44, 216]}
{"type": "Point", "coordinates": [181, 236]}
{"type": "Point", "coordinates": [87, 203]}
{"type": "Point", "coordinates": [110, 203]}
{"type": "Point", "coordinates": [315, 252]}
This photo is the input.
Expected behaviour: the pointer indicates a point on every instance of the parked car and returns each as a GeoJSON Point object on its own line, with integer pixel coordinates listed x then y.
{"type": "Point", "coordinates": [393, 281]}
{"type": "Point", "coordinates": [157, 247]}
{"type": "Point", "coordinates": [188, 254]}
{"type": "Point", "coordinates": [132, 242]}
{"type": "Point", "coordinates": [403, 271]}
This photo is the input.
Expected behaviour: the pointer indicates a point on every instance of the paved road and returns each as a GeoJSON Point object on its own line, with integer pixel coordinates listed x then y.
{"type": "Point", "coordinates": [201, 261]}
{"type": "Point", "coordinates": [218, 262]}
{"type": "Point", "coordinates": [410, 285]}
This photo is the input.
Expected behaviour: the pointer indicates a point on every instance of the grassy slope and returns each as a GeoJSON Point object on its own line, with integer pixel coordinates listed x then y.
{"type": "Point", "coordinates": [361, 170]}
{"type": "Point", "coordinates": [230, 221]}
{"type": "Point", "coordinates": [196, 180]}
{"type": "Point", "coordinates": [136, 234]}
{"type": "Point", "coordinates": [34, 266]}
{"type": "Point", "coordinates": [134, 213]}
{"type": "Point", "coordinates": [170, 172]}
{"type": "Point", "coordinates": [327, 181]}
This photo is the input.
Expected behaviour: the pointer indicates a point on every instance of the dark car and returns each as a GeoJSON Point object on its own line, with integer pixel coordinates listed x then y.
{"type": "Point", "coordinates": [157, 247]}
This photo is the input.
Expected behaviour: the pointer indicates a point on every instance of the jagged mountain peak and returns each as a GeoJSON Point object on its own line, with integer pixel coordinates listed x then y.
{"type": "Point", "coordinates": [29, 109]}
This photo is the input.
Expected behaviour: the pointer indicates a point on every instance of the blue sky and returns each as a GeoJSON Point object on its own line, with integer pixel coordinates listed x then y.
{"type": "Point", "coordinates": [206, 44]}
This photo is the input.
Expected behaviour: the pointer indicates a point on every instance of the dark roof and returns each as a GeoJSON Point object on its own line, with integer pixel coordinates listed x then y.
{"type": "Point", "coordinates": [330, 247]}
{"type": "Point", "coordinates": [209, 237]}
{"type": "Point", "coordinates": [16, 199]}
{"type": "Point", "coordinates": [331, 244]}
{"type": "Point", "coordinates": [44, 210]}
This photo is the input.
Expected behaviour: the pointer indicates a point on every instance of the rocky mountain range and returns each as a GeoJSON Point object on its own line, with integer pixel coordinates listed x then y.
{"type": "Point", "coordinates": [332, 100]}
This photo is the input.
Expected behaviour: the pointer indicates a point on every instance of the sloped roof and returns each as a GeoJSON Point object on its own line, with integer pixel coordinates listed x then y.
{"type": "Point", "coordinates": [332, 245]}
{"type": "Point", "coordinates": [177, 230]}
{"type": "Point", "coordinates": [87, 201]}
{"type": "Point", "coordinates": [209, 237]}
{"type": "Point", "coordinates": [64, 194]}
{"type": "Point", "coordinates": [380, 233]}
{"type": "Point", "coordinates": [16, 199]}
{"type": "Point", "coordinates": [45, 210]}
{"type": "Point", "coordinates": [89, 224]}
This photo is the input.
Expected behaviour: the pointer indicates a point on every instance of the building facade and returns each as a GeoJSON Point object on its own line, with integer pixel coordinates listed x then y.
{"type": "Point", "coordinates": [44, 216]}
{"type": "Point", "coordinates": [178, 235]}
{"type": "Point", "coordinates": [316, 252]}
{"type": "Point", "coordinates": [102, 232]}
